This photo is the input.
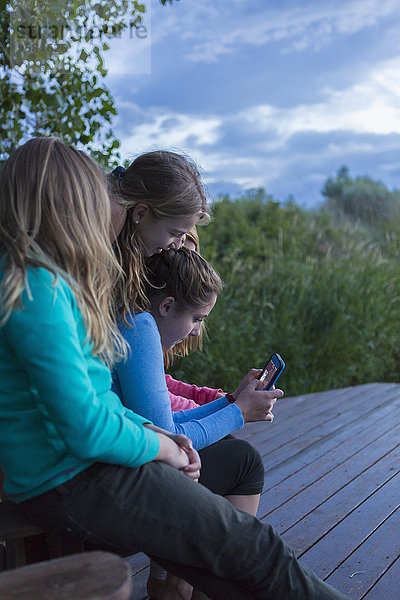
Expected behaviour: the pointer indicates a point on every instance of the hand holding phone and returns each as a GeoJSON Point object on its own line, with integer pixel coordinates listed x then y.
{"type": "Point", "coordinates": [271, 372]}
{"type": "Point", "coordinates": [256, 404]}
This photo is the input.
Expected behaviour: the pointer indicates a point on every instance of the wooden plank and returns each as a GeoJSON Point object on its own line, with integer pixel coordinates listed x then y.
{"type": "Point", "coordinates": [295, 411]}
{"type": "Point", "coordinates": [370, 561]}
{"type": "Point", "coordinates": [14, 524]}
{"type": "Point", "coordinates": [139, 565]}
{"type": "Point", "coordinates": [388, 586]}
{"type": "Point", "coordinates": [304, 438]}
{"type": "Point", "coordinates": [88, 576]}
{"type": "Point", "coordinates": [332, 457]}
{"type": "Point", "coordinates": [137, 562]}
{"type": "Point", "coordinates": [287, 410]}
{"type": "Point", "coordinates": [318, 490]}
{"type": "Point", "coordinates": [330, 549]}
{"type": "Point", "coordinates": [327, 502]}
{"type": "Point", "coordinates": [289, 414]}
{"type": "Point", "coordinates": [330, 452]}
{"type": "Point", "coordinates": [326, 412]}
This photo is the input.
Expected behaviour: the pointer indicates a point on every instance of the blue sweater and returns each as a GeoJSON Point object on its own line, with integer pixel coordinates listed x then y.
{"type": "Point", "coordinates": [58, 414]}
{"type": "Point", "coordinates": [140, 383]}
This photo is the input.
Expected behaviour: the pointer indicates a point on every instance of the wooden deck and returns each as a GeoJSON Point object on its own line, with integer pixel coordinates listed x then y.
{"type": "Point", "coordinates": [332, 487]}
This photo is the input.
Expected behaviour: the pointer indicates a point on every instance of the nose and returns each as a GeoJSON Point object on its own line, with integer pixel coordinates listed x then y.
{"type": "Point", "coordinates": [196, 330]}
{"type": "Point", "coordinates": [176, 243]}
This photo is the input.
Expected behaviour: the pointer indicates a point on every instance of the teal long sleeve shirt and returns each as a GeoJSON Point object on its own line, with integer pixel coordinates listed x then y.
{"type": "Point", "coordinates": [58, 414]}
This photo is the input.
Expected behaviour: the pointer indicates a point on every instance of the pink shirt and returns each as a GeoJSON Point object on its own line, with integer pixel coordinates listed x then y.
{"type": "Point", "coordinates": [184, 396]}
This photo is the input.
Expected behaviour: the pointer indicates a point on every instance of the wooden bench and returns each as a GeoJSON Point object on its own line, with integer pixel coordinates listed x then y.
{"type": "Point", "coordinates": [87, 576]}
{"type": "Point", "coordinates": [22, 541]}
{"type": "Point", "coordinates": [25, 542]}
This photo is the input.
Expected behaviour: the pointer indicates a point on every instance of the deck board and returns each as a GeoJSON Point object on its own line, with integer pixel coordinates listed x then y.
{"type": "Point", "coordinates": [332, 487]}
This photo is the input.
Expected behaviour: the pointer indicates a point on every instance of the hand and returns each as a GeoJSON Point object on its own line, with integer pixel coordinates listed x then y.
{"type": "Point", "coordinates": [171, 453]}
{"type": "Point", "coordinates": [192, 470]}
{"type": "Point", "coordinates": [183, 444]}
{"type": "Point", "coordinates": [219, 395]}
{"type": "Point", "coordinates": [256, 405]}
{"type": "Point", "coordinates": [252, 374]}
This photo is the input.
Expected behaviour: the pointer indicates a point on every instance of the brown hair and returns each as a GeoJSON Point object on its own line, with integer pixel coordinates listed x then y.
{"type": "Point", "coordinates": [182, 274]}
{"type": "Point", "coordinates": [171, 186]}
{"type": "Point", "coordinates": [55, 214]}
{"type": "Point", "coordinates": [191, 344]}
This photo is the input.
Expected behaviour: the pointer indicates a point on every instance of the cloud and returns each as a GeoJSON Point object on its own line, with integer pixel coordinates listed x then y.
{"type": "Point", "coordinates": [295, 29]}
{"type": "Point", "coordinates": [283, 149]}
{"type": "Point", "coordinates": [164, 129]}
{"type": "Point", "coordinates": [369, 106]}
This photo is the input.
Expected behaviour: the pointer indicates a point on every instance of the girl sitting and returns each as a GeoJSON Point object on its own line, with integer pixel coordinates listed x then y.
{"type": "Point", "coordinates": [182, 289]}
{"type": "Point", "coordinates": [184, 395]}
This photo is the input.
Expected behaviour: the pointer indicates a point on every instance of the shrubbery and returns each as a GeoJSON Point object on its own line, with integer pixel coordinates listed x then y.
{"type": "Point", "coordinates": [321, 287]}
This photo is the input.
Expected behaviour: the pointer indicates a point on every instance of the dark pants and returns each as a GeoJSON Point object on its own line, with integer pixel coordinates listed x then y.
{"type": "Point", "coordinates": [232, 466]}
{"type": "Point", "coordinates": [190, 531]}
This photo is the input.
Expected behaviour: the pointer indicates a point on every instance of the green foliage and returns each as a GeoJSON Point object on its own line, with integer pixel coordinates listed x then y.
{"type": "Point", "coordinates": [52, 71]}
{"type": "Point", "coordinates": [317, 288]}
{"type": "Point", "coordinates": [364, 199]}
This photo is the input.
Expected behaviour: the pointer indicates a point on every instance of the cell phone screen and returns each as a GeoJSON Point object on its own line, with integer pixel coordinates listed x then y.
{"type": "Point", "coordinates": [268, 374]}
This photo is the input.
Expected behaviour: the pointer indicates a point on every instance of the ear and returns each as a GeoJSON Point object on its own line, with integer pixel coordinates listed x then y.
{"type": "Point", "coordinates": [139, 212]}
{"type": "Point", "coordinates": [166, 305]}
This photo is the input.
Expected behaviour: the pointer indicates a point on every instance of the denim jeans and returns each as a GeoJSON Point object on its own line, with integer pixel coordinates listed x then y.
{"type": "Point", "coordinates": [190, 531]}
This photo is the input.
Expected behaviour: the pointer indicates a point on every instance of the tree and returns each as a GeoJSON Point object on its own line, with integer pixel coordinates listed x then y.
{"type": "Point", "coordinates": [363, 199]}
{"type": "Point", "coordinates": [51, 82]}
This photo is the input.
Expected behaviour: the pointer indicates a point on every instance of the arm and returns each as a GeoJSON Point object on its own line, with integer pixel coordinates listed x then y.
{"type": "Point", "coordinates": [180, 402]}
{"type": "Point", "coordinates": [77, 416]}
{"type": "Point", "coordinates": [200, 395]}
{"type": "Point", "coordinates": [141, 383]}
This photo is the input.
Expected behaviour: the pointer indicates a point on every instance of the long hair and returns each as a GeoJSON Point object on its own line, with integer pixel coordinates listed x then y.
{"type": "Point", "coordinates": [191, 344]}
{"type": "Point", "coordinates": [182, 274]}
{"type": "Point", "coordinates": [55, 214]}
{"type": "Point", "coordinates": [171, 186]}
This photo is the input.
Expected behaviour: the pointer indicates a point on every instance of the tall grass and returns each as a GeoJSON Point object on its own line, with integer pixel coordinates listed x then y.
{"type": "Point", "coordinates": [322, 294]}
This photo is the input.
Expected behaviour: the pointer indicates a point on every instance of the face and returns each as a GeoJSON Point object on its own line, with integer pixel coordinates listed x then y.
{"type": "Point", "coordinates": [174, 327]}
{"type": "Point", "coordinates": [160, 234]}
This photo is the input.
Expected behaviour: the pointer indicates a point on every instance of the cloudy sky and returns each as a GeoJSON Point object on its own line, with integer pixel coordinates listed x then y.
{"type": "Point", "coordinates": [268, 93]}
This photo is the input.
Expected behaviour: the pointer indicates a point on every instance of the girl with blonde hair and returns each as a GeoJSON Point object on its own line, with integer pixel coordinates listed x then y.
{"type": "Point", "coordinates": [154, 203]}
{"type": "Point", "coordinates": [74, 458]}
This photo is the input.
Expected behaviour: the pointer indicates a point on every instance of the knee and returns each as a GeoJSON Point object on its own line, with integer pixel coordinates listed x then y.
{"type": "Point", "coordinates": [251, 465]}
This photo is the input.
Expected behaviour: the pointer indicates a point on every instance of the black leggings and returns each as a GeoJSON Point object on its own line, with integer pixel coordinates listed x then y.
{"type": "Point", "coordinates": [232, 466]}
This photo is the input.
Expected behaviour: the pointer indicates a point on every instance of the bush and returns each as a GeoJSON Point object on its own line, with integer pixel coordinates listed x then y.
{"type": "Point", "coordinates": [318, 291]}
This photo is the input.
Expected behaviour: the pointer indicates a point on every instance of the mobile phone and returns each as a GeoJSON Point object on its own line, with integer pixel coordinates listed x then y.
{"type": "Point", "coordinates": [271, 372]}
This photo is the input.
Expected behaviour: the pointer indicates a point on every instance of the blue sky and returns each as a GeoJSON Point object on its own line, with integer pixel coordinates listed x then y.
{"type": "Point", "coordinates": [267, 94]}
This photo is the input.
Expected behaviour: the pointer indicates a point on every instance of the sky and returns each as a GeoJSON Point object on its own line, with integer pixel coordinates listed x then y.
{"type": "Point", "coordinates": [262, 93]}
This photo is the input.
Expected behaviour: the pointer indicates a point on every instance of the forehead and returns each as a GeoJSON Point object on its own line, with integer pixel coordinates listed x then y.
{"type": "Point", "coordinates": [204, 310]}
{"type": "Point", "coordinates": [181, 224]}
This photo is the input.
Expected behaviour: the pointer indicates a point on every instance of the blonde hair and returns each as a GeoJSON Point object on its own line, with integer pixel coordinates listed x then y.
{"type": "Point", "coordinates": [55, 214]}
{"type": "Point", "coordinates": [171, 186]}
{"type": "Point", "coordinates": [193, 237]}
